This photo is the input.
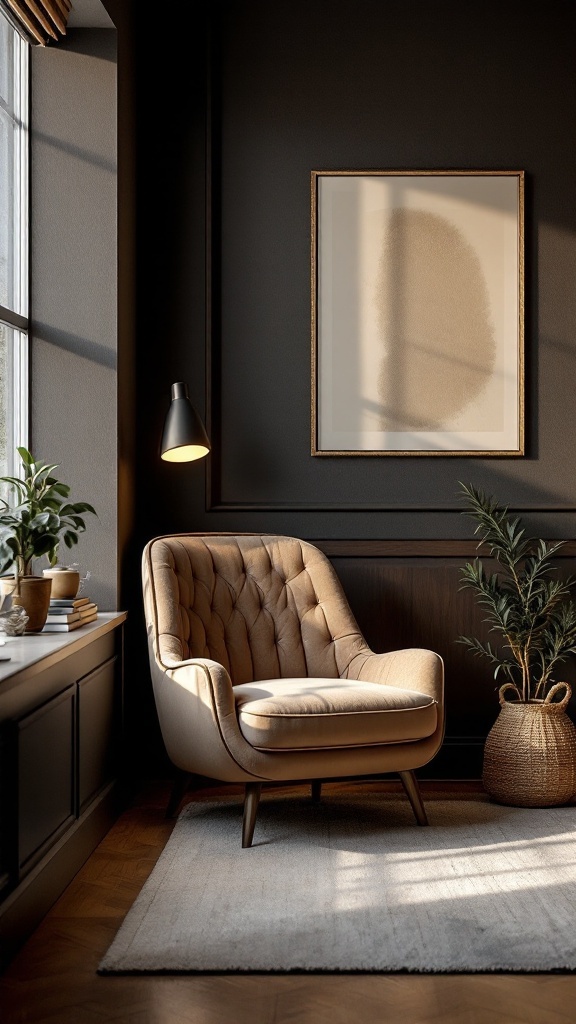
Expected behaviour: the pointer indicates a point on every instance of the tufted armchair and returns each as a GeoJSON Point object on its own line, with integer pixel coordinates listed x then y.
{"type": "Point", "coordinates": [260, 672]}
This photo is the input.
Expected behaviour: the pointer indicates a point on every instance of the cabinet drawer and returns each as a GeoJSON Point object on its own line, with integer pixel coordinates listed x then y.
{"type": "Point", "coordinates": [45, 776]}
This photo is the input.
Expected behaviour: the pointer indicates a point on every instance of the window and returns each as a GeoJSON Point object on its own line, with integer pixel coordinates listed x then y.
{"type": "Point", "coordinates": [14, 186]}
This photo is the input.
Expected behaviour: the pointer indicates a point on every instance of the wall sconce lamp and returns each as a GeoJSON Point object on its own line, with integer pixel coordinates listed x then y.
{"type": "Point", "coordinates": [184, 437]}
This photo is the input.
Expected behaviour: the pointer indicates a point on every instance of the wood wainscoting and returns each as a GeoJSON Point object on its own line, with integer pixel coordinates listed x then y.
{"type": "Point", "coordinates": [407, 594]}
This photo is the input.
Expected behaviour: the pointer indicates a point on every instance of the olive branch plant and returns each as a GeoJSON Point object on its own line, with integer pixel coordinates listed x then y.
{"type": "Point", "coordinates": [525, 600]}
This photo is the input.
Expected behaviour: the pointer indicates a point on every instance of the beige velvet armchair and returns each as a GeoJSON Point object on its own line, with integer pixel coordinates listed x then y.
{"type": "Point", "coordinates": [260, 672]}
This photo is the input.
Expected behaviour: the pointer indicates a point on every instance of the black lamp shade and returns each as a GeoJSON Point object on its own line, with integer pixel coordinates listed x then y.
{"type": "Point", "coordinates": [184, 437]}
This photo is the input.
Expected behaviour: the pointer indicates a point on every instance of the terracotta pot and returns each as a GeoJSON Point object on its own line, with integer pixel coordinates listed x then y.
{"type": "Point", "coordinates": [34, 597]}
{"type": "Point", "coordinates": [65, 581]}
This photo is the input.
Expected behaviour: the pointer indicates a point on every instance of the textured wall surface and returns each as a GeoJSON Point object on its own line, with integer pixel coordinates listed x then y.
{"type": "Point", "coordinates": [74, 286]}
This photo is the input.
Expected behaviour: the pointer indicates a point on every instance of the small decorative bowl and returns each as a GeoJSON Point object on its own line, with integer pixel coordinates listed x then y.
{"type": "Point", "coordinates": [65, 581]}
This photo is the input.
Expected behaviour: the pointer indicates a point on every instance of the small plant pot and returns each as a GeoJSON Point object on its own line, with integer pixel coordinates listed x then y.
{"type": "Point", "coordinates": [33, 597]}
{"type": "Point", "coordinates": [65, 582]}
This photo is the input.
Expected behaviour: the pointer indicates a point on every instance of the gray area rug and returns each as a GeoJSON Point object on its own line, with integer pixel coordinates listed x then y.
{"type": "Point", "coordinates": [353, 884]}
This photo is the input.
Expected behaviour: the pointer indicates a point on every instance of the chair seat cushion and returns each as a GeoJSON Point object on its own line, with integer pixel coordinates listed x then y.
{"type": "Point", "coordinates": [312, 714]}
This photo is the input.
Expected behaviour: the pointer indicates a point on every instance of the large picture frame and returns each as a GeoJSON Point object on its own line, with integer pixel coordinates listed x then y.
{"type": "Point", "coordinates": [417, 312]}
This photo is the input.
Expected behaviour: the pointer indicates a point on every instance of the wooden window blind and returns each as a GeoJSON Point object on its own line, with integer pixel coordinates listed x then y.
{"type": "Point", "coordinates": [39, 21]}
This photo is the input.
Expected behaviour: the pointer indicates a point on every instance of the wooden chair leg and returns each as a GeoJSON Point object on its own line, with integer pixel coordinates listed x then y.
{"type": "Point", "coordinates": [410, 783]}
{"type": "Point", "coordinates": [251, 800]}
{"type": "Point", "coordinates": [181, 783]}
{"type": "Point", "coordinates": [316, 790]}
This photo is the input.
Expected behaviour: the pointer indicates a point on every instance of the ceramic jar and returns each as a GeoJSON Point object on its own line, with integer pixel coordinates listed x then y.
{"type": "Point", "coordinates": [65, 581]}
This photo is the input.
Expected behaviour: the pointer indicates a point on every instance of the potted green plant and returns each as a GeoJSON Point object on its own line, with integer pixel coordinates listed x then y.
{"type": "Point", "coordinates": [32, 525]}
{"type": "Point", "coordinates": [530, 752]}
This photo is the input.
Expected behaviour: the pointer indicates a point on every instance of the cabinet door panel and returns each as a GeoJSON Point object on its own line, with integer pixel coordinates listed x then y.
{"type": "Point", "coordinates": [7, 810]}
{"type": "Point", "coordinates": [45, 776]}
{"type": "Point", "coordinates": [97, 715]}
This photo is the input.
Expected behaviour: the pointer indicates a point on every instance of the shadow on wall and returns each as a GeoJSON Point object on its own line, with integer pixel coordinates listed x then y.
{"type": "Point", "coordinates": [94, 351]}
{"type": "Point", "coordinates": [434, 309]}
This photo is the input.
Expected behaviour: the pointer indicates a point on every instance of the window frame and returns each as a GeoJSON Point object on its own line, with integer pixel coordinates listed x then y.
{"type": "Point", "coordinates": [16, 318]}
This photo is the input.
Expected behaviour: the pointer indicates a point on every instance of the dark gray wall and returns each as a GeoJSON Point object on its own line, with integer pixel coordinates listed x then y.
{"type": "Point", "coordinates": [74, 286]}
{"type": "Point", "coordinates": [347, 84]}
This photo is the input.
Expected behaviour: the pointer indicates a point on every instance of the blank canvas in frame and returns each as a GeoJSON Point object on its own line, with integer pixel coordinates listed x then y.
{"type": "Point", "coordinates": [417, 313]}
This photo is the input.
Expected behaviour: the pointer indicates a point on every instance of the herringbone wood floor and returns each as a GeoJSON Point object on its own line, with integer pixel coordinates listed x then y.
{"type": "Point", "coordinates": [53, 979]}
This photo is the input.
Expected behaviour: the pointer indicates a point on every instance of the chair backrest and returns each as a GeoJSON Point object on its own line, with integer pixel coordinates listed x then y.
{"type": "Point", "coordinates": [264, 606]}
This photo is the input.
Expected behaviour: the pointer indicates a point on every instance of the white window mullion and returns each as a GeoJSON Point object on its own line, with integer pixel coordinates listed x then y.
{"type": "Point", "coordinates": [21, 258]}
{"type": "Point", "coordinates": [21, 172]}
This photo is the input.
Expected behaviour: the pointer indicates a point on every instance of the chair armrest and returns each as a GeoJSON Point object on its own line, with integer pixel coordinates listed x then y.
{"type": "Point", "coordinates": [197, 715]}
{"type": "Point", "coordinates": [414, 668]}
{"type": "Point", "coordinates": [196, 674]}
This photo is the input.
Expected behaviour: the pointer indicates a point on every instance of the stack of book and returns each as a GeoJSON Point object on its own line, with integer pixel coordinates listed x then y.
{"type": "Point", "coordinates": [65, 614]}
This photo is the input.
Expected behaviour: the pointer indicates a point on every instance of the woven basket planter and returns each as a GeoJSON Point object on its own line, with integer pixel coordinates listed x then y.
{"type": "Point", "coordinates": [530, 752]}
